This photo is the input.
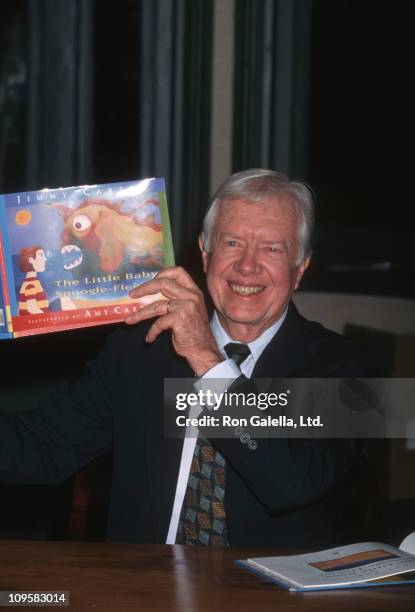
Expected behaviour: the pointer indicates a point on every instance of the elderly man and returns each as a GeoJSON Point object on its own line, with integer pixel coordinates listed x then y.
{"type": "Point", "coordinates": [255, 248]}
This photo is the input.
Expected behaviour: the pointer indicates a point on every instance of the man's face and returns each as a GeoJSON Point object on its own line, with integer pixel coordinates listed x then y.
{"type": "Point", "coordinates": [252, 268]}
{"type": "Point", "coordinates": [38, 262]}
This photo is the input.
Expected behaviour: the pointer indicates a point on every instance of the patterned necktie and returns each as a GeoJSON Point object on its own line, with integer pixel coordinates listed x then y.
{"type": "Point", "coordinates": [203, 518]}
{"type": "Point", "coordinates": [237, 352]}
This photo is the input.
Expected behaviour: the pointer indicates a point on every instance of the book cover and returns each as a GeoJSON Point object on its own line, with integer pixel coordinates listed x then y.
{"type": "Point", "coordinates": [70, 256]}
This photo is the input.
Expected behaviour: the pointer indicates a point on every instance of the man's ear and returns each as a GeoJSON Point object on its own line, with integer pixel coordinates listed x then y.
{"type": "Point", "coordinates": [300, 271]}
{"type": "Point", "coordinates": [205, 254]}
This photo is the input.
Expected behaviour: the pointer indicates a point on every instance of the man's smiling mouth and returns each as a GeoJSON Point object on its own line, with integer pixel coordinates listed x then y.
{"type": "Point", "coordinates": [246, 290]}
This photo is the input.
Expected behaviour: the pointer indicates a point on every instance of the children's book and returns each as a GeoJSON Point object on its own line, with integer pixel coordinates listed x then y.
{"type": "Point", "coordinates": [70, 256]}
{"type": "Point", "coordinates": [367, 564]}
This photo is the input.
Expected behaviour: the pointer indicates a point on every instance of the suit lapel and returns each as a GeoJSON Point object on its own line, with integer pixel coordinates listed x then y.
{"type": "Point", "coordinates": [285, 354]}
{"type": "Point", "coordinates": [163, 454]}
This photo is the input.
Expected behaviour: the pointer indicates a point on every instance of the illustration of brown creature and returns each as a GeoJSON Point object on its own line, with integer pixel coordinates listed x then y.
{"type": "Point", "coordinates": [115, 237]}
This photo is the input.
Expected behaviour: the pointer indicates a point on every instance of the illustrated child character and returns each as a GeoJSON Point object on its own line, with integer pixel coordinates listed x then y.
{"type": "Point", "coordinates": [32, 297]}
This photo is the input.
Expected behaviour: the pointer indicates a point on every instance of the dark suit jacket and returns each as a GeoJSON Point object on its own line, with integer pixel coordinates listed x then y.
{"type": "Point", "coordinates": [286, 492]}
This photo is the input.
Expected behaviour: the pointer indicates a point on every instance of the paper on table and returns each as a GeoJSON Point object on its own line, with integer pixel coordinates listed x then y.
{"type": "Point", "coordinates": [408, 544]}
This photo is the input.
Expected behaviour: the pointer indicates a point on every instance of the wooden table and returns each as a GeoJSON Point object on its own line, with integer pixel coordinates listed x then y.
{"type": "Point", "coordinates": [101, 576]}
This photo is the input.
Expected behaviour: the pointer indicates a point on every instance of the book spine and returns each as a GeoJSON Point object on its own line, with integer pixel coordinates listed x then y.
{"type": "Point", "coordinates": [6, 328]}
{"type": "Point", "coordinates": [169, 259]}
{"type": "Point", "coordinates": [3, 314]}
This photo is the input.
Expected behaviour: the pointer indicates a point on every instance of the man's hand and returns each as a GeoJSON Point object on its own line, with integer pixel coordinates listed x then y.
{"type": "Point", "coordinates": [183, 313]}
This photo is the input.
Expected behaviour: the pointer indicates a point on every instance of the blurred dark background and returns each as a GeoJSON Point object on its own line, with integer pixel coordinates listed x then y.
{"type": "Point", "coordinates": [96, 91]}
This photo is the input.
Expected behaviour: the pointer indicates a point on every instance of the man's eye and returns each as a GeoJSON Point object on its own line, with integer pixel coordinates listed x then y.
{"type": "Point", "coordinates": [231, 243]}
{"type": "Point", "coordinates": [274, 249]}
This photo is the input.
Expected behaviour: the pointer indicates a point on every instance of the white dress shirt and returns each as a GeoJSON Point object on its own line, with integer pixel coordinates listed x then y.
{"type": "Point", "coordinates": [227, 371]}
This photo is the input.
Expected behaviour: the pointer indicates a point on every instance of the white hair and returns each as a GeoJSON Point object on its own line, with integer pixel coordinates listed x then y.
{"type": "Point", "coordinates": [257, 185]}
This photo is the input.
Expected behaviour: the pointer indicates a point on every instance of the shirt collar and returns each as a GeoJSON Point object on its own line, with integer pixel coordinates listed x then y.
{"type": "Point", "coordinates": [256, 346]}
